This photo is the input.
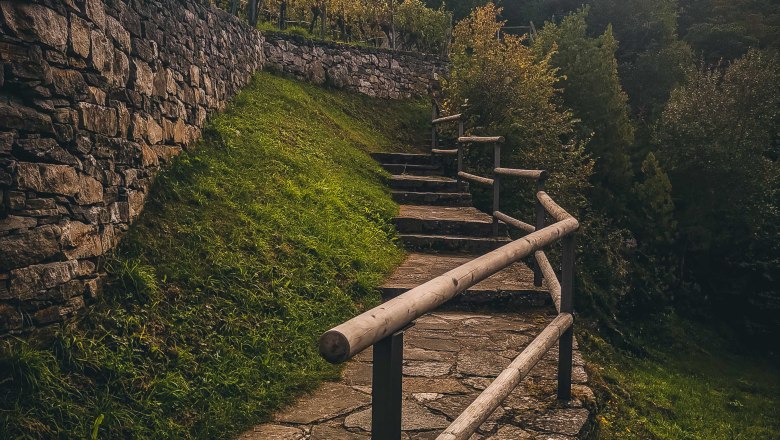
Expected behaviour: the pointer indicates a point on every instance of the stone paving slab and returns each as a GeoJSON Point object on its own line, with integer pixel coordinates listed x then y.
{"type": "Point", "coordinates": [448, 213]}
{"type": "Point", "coordinates": [450, 357]}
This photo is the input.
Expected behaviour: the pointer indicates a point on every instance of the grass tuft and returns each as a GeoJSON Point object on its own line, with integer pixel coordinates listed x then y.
{"type": "Point", "coordinates": [689, 382]}
{"type": "Point", "coordinates": [276, 228]}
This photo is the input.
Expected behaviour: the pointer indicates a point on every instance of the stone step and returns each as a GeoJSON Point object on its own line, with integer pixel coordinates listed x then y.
{"type": "Point", "coordinates": [427, 184]}
{"type": "Point", "coordinates": [403, 158]}
{"type": "Point", "coordinates": [451, 243]}
{"type": "Point", "coordinates": [513, 285]}
{"type": "Point", "coordinates": [414, 170]}
{"type": "Point", "coordinates": [432, 198]}
{"type": "Point", "coordinates": [454, 220]}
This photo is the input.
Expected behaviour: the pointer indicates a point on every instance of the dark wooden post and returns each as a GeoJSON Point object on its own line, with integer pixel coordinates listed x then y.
{"type": "Point", "coordinates": [496, 185]}
{"type": "Point", "coordinates": [434, 115]}
{"type": "Point", "coordinates": [541, 219]}
{"type": "Point", "coordinates": [283, 15]}
{"type": "Point", "coordinates": [386, 392]}
{"type": "Point", "coordinates": [324, 19]}
{"type": "Point", "coordinates": [567, 306]}
{"type": "Point", "coordinates": [460, 152]}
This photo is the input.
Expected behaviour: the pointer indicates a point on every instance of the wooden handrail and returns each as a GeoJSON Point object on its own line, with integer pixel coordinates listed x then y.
{"type": "Point", "coordinates": [480, 139]}
{"type": "Point", "coordinates": [350, 338]}
{"type": "Point", "coordinates": [523, 226]}
{"type": "Point", "coordinates": [551, 207]}
{"type": "Point", "coordinates": [450, 118]}
{"type": "Point", "coordinates": [384, 325]}
{"type": "Point", "coordinates": [472, 417]}
{"type": "Point", "coordinates": [452, 151]}
{"type": "Point", "coordinates": [475, 178]}
{"type": "Point", "coordinates": [529, 174]}
{"type": "Point", "coordinates": [552, 280]}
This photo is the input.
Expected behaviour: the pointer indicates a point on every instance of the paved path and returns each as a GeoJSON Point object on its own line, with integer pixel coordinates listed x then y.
{"type": "Point", "coordinates": [451, 355]}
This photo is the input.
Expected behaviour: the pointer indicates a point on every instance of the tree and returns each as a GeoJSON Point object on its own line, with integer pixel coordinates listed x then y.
{"type": "Point", "coordinates": [718, 140]}
{"type": "Point", "coordinates": [591, 88]}
{"type": "Point", "coordinates": [512, 92]}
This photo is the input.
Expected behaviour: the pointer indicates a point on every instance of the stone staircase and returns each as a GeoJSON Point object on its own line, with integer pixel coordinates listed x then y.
{"type": "Point", "coordinates": [452, 354]}
{"type": "Point", "coordinates": [437, 222]}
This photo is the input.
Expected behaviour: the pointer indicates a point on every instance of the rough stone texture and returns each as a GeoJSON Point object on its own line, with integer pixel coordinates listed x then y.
{"type": "Point", "coordinates": [95, 97]}
{"type": "Point", "coordinates": [374, 72]}
{"type": "Point", "coordinates": [74, 76]}
{"type": "Point", "coordinates": [431, 401]}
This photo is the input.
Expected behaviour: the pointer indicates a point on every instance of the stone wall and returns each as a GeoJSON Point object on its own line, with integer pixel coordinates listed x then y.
{"type": "Point", "coordinates": [94, 97]}
{"type": "Point", "coordinates": [97, 95]}
{"type": "Point", "coordinates": [375, 72]}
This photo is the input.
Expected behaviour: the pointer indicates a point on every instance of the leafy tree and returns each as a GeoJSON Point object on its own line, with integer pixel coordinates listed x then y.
{"type": "Point", "coordinates": [512, 92]}
{"type": "Point", "coordinates": [729, 28]}
{"type": "Point", "coordinates": [591, 88]}
{"type": "Point", "coordinates": [718, 140]}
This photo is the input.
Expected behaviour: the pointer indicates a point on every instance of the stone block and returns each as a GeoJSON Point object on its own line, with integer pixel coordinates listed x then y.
{"type": "Point", "coordinates": [36, 23]}
{"type": "Point", "coordinates": [80, 240]}
{"type": "Point", "coordinates": [118, 33]}
{"type": "Point", "coordinates": [45, 150]}
{"type": "Point", "coordinates": [29, 247]}
{"type": "Point", "coordinates": [98, 119]}
{"type": "Point", "coordinates": [96, 13]}
{"type": "Point", "coordinates": [102, 53]}
{"type": "Point", "coordinates": [28, 281]}
{"type": "Point", "coordinates": [13, 222]}
{"type": "Point", "coordinates": [90, 191]}
{"type": "Point", "coordinates": [121, 69]}
{"type": "Point", "coordinates": [142, 77]}
{"type": "Point", "coordinates": [68, 83]}
{"type": "Point", "coordinates": [47, 178]}
{"type": "Point", "coordinates": [57, 313]}
{"type": "Point", "coordinates": [10, 318]}
{"type": "Point", "coordinates": [79, 37]}
{"type": "Point", "coordinates": [18, 116]}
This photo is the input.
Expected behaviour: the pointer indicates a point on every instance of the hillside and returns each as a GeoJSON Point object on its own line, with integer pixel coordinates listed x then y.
{"type": "Point", "coordinates": [273, 229]}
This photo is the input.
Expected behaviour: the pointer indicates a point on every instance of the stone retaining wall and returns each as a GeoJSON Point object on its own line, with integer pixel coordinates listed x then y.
{"type": "Point", "coordinates": [97, 95]}
{"type": "Point", "coordinates": [94, 97]}
{"type": "Point", "coordinates": [374, 72]}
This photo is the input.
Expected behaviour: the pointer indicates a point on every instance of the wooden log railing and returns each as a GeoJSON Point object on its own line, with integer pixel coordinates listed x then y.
{"type": "Point", "coordinates": [435, 122]}
{"type": "Point", "coordinates": [383, 326]}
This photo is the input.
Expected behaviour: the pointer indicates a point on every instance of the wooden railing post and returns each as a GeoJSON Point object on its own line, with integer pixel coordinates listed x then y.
{"type": "Point", "coordinates": [567, 306]}
{"type": "Point", "coordinates": [386, 391]}
{"type": "Point", "coordinates": [496, 185]}
{"type": "Point", "coordinates": [460, 152]}
{"type": "Point", "coordinates": [434, 116]}
{"type": "Point", "coordinates": [541, 219]}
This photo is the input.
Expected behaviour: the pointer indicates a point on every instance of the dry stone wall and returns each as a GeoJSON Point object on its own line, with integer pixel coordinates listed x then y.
{"type": "Point", "coordinates": [94, 97]}
{"type": "Point", "coordinates": [375, 72]}
{"type": "Point", "coordinates": [97, 95]}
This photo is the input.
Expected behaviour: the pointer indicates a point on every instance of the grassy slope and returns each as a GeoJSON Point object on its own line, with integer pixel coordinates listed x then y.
{"type": "Point", "coordinates": [693, 383]}
{"type": "Point", "coordinates": [275, 229]}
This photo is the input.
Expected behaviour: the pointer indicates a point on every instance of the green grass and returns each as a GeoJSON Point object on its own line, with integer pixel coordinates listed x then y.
{"type": "Point", "coordinates": [689, 382]}
{"type": "Point", "coordinates": [276, 228]}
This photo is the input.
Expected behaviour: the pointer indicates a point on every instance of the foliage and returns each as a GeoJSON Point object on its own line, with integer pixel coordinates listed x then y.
{"type": "Point", "coordinates": [718, 140]}
{"type": "Point", "coordinates": [651, 59]}
{"type": "Point", "coordinates": [421, 28]}
{"type": "Point", "coordinates": [512, 92]}
{"type": "Point", "coordinates": [400, 24]}
{"type": "Point", "coordinates": [691, 383]}
{"type": "Point", "coordinates": [729, 28]}
{"type": "Point", "coordinates": [591, 88]}
{"type": "Point", "coordinates": [274, 229]}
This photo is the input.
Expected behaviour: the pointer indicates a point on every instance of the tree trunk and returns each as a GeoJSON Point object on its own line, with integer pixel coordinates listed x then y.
{"type": "Point", "coordinates": [251, 12]}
